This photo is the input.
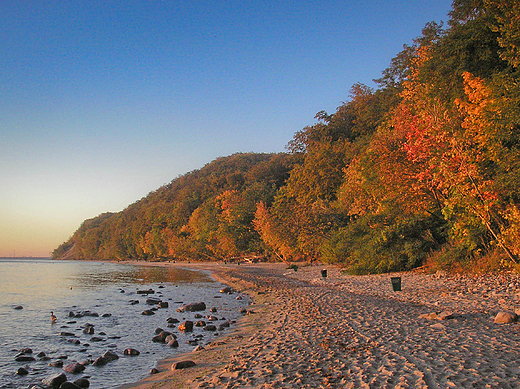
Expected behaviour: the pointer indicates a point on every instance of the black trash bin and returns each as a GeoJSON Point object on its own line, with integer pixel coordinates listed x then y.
{"type": "Point", "coordinates": [324, 273]}
{"type": "Point", "coordinates": [396, 284]}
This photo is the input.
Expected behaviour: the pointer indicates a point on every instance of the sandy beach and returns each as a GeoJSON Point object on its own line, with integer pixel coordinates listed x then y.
{"type": "Point", "coordinates": [306, 331]}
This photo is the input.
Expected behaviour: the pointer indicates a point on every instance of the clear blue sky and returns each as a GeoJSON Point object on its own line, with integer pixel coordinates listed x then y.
{"type": "Point", "coordinates": [102, 102]}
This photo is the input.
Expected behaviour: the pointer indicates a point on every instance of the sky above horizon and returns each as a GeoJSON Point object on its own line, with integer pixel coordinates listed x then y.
{"type": "Point", "coordinates": [102, 102]}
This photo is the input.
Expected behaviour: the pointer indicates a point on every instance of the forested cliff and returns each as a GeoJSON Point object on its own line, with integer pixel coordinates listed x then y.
{"type": "Point", "coordinates": [425, 167]}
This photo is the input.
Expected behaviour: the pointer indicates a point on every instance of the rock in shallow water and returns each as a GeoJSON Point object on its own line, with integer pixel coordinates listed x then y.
{"type": "Point", "coordinates": [74, 368]}
{"type": "Point", "coordinates": [69, 385]}
{"type": "Point", "coordinates": [108, 356]}
{"type": "Point", "coordinates": [55, 380]}
{"type": "Point", "coordinates": [82, 383]}
{"type": "Point", "coordinates": [173, 343]}
{"type": "Point", "coordinates": [186, 326]}
{"type": "Point", "coordinates": [24, 358]}
{"type": "Point", "coordinates": [192, 307]}
{"type": "Point", "coordinates": [131, 352]}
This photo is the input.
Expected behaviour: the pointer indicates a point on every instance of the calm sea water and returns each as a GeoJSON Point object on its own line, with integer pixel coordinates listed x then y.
{"type": "Point", "coordinates": [42, 286]}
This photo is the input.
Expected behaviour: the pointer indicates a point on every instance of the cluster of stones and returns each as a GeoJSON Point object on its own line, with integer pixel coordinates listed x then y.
{"type": "Point", "coordinates": [151, 301]}
{"type": "Point", "coordinates": [161, 336]}
{"type": "Point", "coordinates": [187, 326]}
{"type": "Point", "coordinates": [58, 380]}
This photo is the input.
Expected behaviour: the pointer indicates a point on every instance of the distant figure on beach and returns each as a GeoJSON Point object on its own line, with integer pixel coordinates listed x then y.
{"type": "Point", "coordinates": [53, 318]}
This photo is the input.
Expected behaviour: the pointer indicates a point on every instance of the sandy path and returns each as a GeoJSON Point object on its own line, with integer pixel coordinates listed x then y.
{"type": "Point", "coordinates": [355, 332]}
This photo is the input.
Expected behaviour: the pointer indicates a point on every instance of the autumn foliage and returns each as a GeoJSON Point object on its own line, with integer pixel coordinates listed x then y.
{"type": "Point", "coordinates": [423, 169]}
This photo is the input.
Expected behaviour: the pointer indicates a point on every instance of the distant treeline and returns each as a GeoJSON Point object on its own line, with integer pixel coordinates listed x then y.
{"type": "Point", "coordinates": [424, 168]}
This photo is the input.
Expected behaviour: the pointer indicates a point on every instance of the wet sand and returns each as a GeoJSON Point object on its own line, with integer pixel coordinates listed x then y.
{"type": "Point", "coordinates": [356, 332]}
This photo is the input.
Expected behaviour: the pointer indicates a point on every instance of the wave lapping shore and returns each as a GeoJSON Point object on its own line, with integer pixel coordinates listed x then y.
{"type": "Point", "coordinates": [306, 331]}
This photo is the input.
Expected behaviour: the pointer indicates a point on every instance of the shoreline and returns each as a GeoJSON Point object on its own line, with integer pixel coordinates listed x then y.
{"type": "Point", "coordinates": [355, 331]}
{"type": "Point", "coordinates": [216, 354]}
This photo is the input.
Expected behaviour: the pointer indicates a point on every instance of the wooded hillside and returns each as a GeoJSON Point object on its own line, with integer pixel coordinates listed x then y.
{"type": "Point", "coordinates": [426, 166]}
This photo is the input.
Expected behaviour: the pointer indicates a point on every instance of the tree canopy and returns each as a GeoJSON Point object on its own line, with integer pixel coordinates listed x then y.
{"type": "Point", "coordinates": [424, 168]}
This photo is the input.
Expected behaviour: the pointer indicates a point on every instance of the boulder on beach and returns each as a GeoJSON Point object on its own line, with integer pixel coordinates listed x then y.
{"type": "Point", "coordinates": [22, 371]}
{"type": "Point", "coordinates": [172, 320]}
{"type": "Point", "coordinates": [58, 363]}
{"type": "Point", "coordinates": [192, 307]}
{"type": "Point", "coordinates": [444, 315]}
{"type": "Point", "coordinates": [148, 312]}
{"type": "Point", "coordinates": [227, 290]}
{"type": "Point", "coordinates": [505, 317]}
{"type": "Point", "coordinates": [153, 301]}
{"type": "Point", "coordinates": [26, 350]}
{"type": "Point", "coordinates": [18, 307]}
{"type": "Point", "coordinates": [183, 365]}
{"type": "Point", "coordinates": [163, 304]}
{"type": "Point", "coordinates": [437, 326]}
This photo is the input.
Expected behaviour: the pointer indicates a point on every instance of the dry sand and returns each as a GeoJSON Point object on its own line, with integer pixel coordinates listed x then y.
{"type": "Point", "coordinates": [355, 332]}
